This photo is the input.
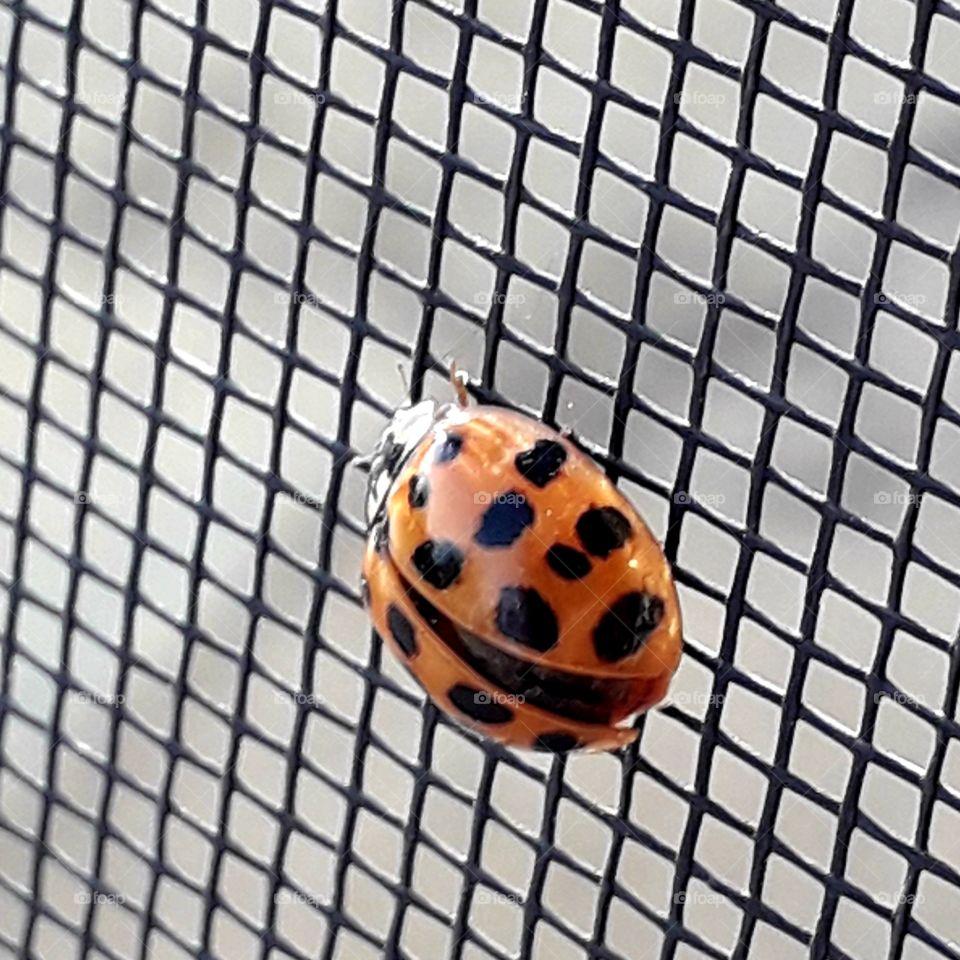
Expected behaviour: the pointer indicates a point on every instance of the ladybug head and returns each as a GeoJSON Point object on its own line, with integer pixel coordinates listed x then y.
{"type": "Point", "coordinates": [410, 424]}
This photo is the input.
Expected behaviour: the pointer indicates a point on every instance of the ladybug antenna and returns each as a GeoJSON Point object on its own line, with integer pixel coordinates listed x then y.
{"type": "Point", "coordinates": [405, 380]}
{"type": "Point", "coordinates": [458, 380]}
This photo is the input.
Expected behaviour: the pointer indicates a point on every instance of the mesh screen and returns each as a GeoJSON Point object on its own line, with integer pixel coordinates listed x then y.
{"type": "Point", "coordinates": [717, 239]}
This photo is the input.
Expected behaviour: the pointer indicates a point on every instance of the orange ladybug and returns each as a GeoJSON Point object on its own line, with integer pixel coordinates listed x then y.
{"type": "Point", "coordinates": [517, 584]}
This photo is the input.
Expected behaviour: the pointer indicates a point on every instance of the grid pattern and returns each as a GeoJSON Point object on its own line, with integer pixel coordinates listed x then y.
{"type": "Point", "coordinates": [719, 239]}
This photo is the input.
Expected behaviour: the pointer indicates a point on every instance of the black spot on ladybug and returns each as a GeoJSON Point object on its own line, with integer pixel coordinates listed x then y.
{"type": "Point", "coordinates": [381, 536]}
{"type": "Point", "coordinates": [479, 705]}
{"type": "Point", "coordinates": [623, 628]}
{"type": "Point", "coordinates": [425, 608]}
{"type": "Point", "coordinates": [542, 462]}
{"type": "Point", "coordinates": [568, 562]}
{"type": "Point", "coordinates": [401, 629]}
{"type": "Point", "coordinates": [523, 615]}
{"type": "Point", "coordinates": [439, 562]}
{"type": "Point", "coordinates": [448, 448]}
{"type": "Point", "coordinates": [418, 491]}
{"type": "Point", "coordinates": [505, 519]}
{"type": "Point", "coordinates": [365, 591]}
{"type": "Point", "coordinates": [557, 742]}
{"type": "Point", "coordinates": [602, 530]}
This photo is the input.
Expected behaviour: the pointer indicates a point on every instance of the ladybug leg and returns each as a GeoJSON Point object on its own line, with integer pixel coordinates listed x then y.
{"type": "Point", "coordinates": [404, 379]}
{"type": "Point", "coordinates": [458, 379]}
{"type": "Point", "coordinates": [362, 463]}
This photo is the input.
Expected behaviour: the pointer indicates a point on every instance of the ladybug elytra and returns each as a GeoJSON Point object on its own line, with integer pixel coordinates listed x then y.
{"type": "Point", "coordinates": [512, 578]}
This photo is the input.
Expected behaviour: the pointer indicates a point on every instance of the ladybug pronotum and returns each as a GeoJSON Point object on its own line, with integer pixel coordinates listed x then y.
{"type": "Point", "coordinates": [517, 584]}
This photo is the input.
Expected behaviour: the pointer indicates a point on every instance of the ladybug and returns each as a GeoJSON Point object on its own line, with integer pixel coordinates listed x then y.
{"type": "Point", "coordinates": [514, 580]}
